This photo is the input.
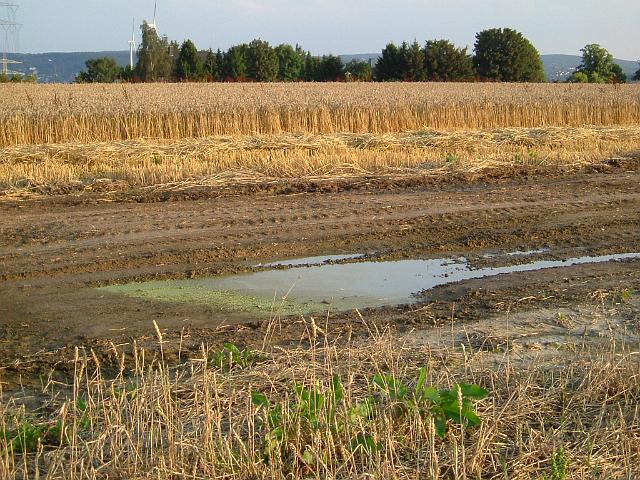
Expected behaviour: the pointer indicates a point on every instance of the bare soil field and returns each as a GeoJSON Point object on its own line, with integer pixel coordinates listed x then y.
{"type": "Point", "coordinates": [55, 251]}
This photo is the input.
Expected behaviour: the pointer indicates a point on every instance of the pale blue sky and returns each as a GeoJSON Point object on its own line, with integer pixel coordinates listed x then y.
{"type": "Point", "coordinates": [331, 26]}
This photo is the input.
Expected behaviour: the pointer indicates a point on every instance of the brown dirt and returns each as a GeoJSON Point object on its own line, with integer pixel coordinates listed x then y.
{"type": "Point", "coordinates": [54, 250]}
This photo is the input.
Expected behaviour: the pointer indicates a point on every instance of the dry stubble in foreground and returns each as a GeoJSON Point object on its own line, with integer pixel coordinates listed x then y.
{"type": "Point", "coordinates": [343, 409]}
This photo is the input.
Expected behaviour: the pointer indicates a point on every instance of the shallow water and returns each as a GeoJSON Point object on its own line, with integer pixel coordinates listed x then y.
{"type": "Point", "coordinates": [345, 286]}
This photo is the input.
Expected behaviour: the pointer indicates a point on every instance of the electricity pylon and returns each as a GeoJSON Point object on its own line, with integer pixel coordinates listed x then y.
{"type": "Point", "coordinates": [11, 30]}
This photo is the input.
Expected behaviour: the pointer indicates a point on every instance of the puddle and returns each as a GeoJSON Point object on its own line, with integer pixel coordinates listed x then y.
{"type": "Point", "coordinates": [315, 289]}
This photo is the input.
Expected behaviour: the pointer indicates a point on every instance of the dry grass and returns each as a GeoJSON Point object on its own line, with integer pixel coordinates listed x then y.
{"type": "Point", "coordinates": [146, 163]}
{"type": "Point", "coordinates": [35, 114]}
{"type": "Point", "coordinates": [196, 421]}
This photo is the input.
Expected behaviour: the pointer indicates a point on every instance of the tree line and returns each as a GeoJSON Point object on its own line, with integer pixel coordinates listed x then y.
{"type": "Point", "coordinates": [500, 55]}
{"type": "Point", "coordinates": [18, 78]}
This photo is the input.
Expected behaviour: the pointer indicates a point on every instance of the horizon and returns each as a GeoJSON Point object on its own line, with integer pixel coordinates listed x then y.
{"type": "Point", "coordinates": [54, 52]}
{"type": "Point", "coordinates": [328, 26]}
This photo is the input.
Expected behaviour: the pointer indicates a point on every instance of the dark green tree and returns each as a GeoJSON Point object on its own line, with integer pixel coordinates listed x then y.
{"type": "Point", "coordinates": [234, 64]}
{"type": "Point", "coordinates": [310, 68]}
{"type": "Point", "coordinates": [189, 65]}
{"type": "Point", "coordinates": [212, 67]}
{"type": "Point", "coordinates": [598, 66]}
{"type": "Point", "coordinates": [445, 63]}
{"type": "Point", "coordinates": [330, 69]}
{"type": "Point", "coordinates": [290, 62]}
{"type": "Point", "coordinates": [155, 61]}
{"type": "Point", "coordinates": [637, 75]}
{"type": "Point", "coordinates": [359, 71]}
{"type": "Point", "coordinates": [504, 55]}
{"type": "Point", "coordinates": [128, 74]}
{"type": "Point", "coordinates": [100, 70]}
{"type": "Point", "coordinates": [390, 65]}
{"type": "Point", "coordinates": [618, 75]}
{"type": "Point", "coordinates": [412, 62]}
{"type": "Point", "coordinates": [262, 62]}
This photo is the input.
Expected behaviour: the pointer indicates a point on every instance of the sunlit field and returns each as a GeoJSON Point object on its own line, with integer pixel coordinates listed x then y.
{"type": "Point", "coordinates": [72, 136]}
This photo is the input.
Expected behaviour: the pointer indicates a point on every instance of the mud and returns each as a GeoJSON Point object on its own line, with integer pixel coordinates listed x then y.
{"type": "Point", "coordinates": [55, 252]}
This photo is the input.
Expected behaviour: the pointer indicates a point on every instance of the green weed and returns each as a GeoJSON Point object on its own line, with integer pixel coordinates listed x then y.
{"type": "Point", "coordinates": [559, 466]}
{"type": "Point", "coordinates": [627, 294]}
{"type": "Point", "coordinates": [230, 357]}
{"type": "Point", "coordinates": [27, 436]}
{"type": "Point", "coordinates": [444, 405]}
{"type": "Point", "coordinates": [317, 409]}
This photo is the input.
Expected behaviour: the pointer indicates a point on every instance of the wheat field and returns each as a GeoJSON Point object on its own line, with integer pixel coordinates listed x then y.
{"type": "Point", "coordinates": [92, 113]}
{"type": "Point", "coordinates": [157, 134]}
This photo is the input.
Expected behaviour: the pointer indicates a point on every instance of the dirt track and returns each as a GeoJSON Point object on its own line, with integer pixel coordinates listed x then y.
{"type": "Point", "coordinates": [52, 252]}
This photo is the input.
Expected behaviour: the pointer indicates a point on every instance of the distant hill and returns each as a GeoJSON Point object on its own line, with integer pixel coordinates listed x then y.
{"type": "Point", "coordinates": [55, 67]}
{"type": "Point", "coordinates": [63, 67]}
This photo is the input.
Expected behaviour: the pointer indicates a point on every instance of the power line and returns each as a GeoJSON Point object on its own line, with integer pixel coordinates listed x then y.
{"type": "Point", "coordinates": [11, 29]}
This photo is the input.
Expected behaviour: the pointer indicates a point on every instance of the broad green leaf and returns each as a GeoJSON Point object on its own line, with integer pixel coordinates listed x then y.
{"type": "Point", "coordinates": [394, 389]}
{"type": "Point", "coordinates": [422, 381]}
{"type": "Point", "coordinates": [441, 426]}
{"type": "Point", "coordinates": [380, 381]}
{"type": "Point", "coordinates": [363, 410]}
{"type": "Point", "coordinates": [81, 405]}
{"type": "Point", "coordinates": [259, 399]}
{"type": "Point", "coordinates": [448, 396]}
{"type": "Point", "coordinates": [365, 443]}
{"type": "Point", "coordinates": [275, 416]}
{"type": "Point", "coordinates": [230, 347]}
{"type": "Point", "coordinates": [452, 411]}
{"type": "Point", "coordinates": [430, 393]}
{"type": "Point", "coordinates": [337, 389]}
{"type": "Point", "coordinates": [473, 391]}
{"type": "Point", "coordinates": [472, 418]}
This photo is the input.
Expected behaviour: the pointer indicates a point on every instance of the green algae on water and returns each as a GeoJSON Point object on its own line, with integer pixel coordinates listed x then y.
{"type": "Point", "coordinates": [187, 291]}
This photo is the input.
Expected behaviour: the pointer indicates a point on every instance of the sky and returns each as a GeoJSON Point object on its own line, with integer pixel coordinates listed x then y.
{"type": "Point", "coordinates": [330, 26]}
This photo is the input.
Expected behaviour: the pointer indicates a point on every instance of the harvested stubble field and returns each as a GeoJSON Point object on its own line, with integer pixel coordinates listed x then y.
{"type": "Point", "coordinates": [106, 185]}
{"type": "Point", "coordinates": [216, 161]}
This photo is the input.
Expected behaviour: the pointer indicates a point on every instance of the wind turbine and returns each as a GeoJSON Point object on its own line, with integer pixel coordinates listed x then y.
{"type": "Point", "coordinates": [155, 9]}
{"type": "Point", "coordinates": [132, 43]}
